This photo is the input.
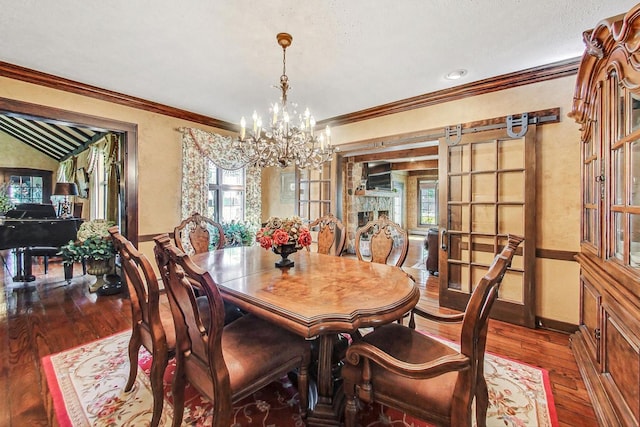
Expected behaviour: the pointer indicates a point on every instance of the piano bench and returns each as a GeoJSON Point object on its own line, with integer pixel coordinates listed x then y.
{"type": "Point", "coordinates": [43, 251]}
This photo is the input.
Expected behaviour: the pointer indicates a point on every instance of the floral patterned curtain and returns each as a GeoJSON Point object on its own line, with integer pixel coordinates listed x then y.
{"type": "Point", "coordinates": [197, 147]}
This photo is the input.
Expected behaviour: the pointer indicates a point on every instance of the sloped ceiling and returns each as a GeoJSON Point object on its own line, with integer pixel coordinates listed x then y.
{"type": "Point", "coordinates": [54, 139]}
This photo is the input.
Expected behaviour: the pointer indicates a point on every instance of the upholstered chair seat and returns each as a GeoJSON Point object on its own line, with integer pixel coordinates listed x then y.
{"type": "Point", "coordinates": [410, 346]}
{"type": "Point", "coordinates": [399, 367]}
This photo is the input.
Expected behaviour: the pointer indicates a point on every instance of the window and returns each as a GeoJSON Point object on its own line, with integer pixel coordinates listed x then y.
{"type": "Point", "coordinates": [27, 185]}
{"type": "Point", "coordinates": [427, 202]}
{"type": "Point", "coordinates": [314, 192]}
{"type": "Point", "coordinates": [225, 200]}
{"type": "Point", "coordinates": [398, 200]}
{"type": "Point", "coordinates": [99, 191]}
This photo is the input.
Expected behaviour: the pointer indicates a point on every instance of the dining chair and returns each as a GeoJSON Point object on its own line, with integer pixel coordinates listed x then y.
{"type": "Point", "coordinates": [224, 363]}
{"type": "Point", "coordinates": [193, 234]}
{"type": "Point", "coordinates": [400, 367]}
{"type": "Point", "coordinates": [377, 240]}
{"type": "Point", "coordinates": [152, 323]}
{"type": "Point", "coordinates": [331, 234]}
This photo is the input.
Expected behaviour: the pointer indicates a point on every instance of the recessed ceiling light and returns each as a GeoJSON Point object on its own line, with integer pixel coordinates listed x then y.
{"type": "Point", "coordinates": [455, 75]}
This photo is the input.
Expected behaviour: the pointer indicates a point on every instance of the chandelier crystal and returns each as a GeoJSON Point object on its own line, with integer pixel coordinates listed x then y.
{"type": "Point", "coordinates": [289, 138]}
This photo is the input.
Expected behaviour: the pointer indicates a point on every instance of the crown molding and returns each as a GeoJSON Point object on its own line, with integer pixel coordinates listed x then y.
{"type": "Point", "coordinates": [506, 81]}
{"type": "Point", "coordinates": [60, 83]}
{"type": "Point", "coordinates": [493, 84]}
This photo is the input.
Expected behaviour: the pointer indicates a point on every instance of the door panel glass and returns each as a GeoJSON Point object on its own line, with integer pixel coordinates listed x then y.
{"type": "Point", "coordinates": [589, 177]}
{"type": "Point", "coordinates": [304, 190]}
{"type": "Point", "coordinates": [620, 110]}
{"type": "Point", "coordinates": [635, 112]}
{"type": "Point", "coordinates": [455, 218]}
{"type": "Point", "coordinates": [483, 219]}
{"type": "Point", "coordinates": [459, 188]}
{"type": "Point", "coordinates": [511, 187]}
{"type": "Point", "coordinates": [484, 187]}
{"type": "Point", "coordinates": [458, 159]}
{"type": "Point", "coordinates": [634, 243]}
{"type": "Point", "coordinates": [511, 219]}
{"type": "Point", "coordinates": [618, 172]}
{"type": "Point", "coordinates": [618, 230]}
{"type": "Point", "coordinates": [588, 225]}
{"type": "Point", "coordinates": [483, 250]}
{"type": "Point", "coordinates": [635, 173]}
{"type": "Point", "coordinates": [458, 277]}
{"type": "Point", "coordinates": [459, 247]}
{"type": "Point", "coordinates": [483, 156]}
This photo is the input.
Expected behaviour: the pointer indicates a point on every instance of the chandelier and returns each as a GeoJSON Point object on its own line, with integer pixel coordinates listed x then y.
{"type": "Point", "coordinates": [290, 138]}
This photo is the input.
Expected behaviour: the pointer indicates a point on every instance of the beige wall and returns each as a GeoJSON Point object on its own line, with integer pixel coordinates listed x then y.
{"type": "Point", "coordinates": [14, 153]}
{"type": "Point", "coordinates": [159, 150]}
{"type": "Point", "coordinates": [272, 205]}
{"type": "Point", "coordinates": [557, 181]}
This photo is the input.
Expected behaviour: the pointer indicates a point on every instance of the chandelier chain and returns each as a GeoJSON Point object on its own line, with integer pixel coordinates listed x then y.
{"type": "Point", "coordinates": [288, 138]}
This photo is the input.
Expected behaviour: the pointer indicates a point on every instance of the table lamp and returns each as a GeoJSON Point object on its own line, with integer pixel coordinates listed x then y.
{"type": "Point", "coordinates": [65, 189]}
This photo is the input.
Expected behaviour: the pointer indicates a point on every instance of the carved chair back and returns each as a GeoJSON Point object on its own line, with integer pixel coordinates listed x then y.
{"type": "Point", "coordinates": [193, 234]}
{"type": "Point", "coordinates": [331, 234]}
{"type": "Point", "coordinates": [259, 351]}
{"type": "Point", "coordinates": [152, 325]}
{"type": "Point", "coordinates": [386, 240]}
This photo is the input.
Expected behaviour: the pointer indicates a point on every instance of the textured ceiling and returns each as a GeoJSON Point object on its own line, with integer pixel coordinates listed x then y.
{"type": "Point", "coordinates": [221, 59]}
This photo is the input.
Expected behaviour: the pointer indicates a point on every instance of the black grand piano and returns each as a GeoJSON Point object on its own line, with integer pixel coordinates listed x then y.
{"type": "Point", "coordinates": [31, 230]}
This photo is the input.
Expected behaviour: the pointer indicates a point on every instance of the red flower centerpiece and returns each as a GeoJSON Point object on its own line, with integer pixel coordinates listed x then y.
{"type": "Point", "coordinates": [284, 237]}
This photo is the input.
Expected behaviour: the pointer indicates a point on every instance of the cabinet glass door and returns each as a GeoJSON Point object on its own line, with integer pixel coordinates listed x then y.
{"type": "Point", "coordinates": [624, 169]}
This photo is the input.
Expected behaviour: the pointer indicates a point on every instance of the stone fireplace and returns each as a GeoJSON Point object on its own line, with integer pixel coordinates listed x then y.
{"type": "Point", "coordinates": [361, 205]}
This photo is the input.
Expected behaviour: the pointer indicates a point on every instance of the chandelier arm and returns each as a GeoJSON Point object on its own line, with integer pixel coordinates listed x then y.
{"type": "Point", "coordinates": [281, 142]}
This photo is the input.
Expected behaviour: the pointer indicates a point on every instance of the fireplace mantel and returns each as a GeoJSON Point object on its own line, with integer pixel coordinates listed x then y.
{"type": "Point", "coordinates": [376, 193]}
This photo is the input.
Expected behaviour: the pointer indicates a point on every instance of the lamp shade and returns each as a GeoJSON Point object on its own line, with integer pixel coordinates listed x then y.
{"type": "Point", "coordinates": [65, 189]}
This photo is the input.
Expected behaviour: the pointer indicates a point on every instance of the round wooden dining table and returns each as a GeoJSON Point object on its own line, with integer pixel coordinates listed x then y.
{"type": "Point", "coordinates": [321, 296]}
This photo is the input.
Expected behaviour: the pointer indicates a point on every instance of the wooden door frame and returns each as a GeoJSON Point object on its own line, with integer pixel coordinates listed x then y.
{"type": "Point", "coordinates": [500, 311]}
{"type": "Point", "coordinates": [129, 212]}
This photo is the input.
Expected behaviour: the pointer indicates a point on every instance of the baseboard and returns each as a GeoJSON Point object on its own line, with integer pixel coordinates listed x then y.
{"type": "Point", "coordinates": [555, 325]}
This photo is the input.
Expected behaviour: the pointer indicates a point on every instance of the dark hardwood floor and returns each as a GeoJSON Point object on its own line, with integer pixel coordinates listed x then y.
{"type": "Point", "coordinates": [50, 315]}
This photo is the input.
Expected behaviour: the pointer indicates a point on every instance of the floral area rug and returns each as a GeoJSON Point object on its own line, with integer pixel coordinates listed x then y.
{"type": "Point", "coordinates": [87, 383]}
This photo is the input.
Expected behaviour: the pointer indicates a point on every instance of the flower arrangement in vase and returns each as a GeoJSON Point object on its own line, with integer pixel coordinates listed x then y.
{"type": "Point", "coordinates": [284, 236]}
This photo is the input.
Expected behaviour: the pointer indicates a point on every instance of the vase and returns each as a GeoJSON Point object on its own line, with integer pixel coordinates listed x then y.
{"type": "Point", "coordinates": [106, 283]}
{"type": "Point", "coordinates": [98, 267]}
{"type": "Point", "coordinates": [284, 251]}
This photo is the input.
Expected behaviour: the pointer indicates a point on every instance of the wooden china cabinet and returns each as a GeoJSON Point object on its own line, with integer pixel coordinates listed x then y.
{"type": "Point", "coordinates": [607, 105]}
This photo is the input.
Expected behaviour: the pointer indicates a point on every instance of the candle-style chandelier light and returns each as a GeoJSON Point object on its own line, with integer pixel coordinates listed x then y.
{"type": "Point", "coordinates": [289, 138]}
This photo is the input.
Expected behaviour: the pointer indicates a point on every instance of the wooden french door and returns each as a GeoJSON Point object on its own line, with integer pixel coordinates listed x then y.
{"type": "Point", "coordinates": [487, 191]}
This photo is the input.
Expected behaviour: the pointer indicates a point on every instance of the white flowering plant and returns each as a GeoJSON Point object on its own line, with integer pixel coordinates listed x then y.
{"type": "Point", "coordinates": [93, 241]}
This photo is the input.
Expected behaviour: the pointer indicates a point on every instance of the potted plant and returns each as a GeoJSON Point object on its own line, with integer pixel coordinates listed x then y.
{"type": "Point", "coordinates": [94, 245]}
{"type": "Point", "coordinates": [236, 233]}
{"type": "Point", "coordinates": [5, 201]}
